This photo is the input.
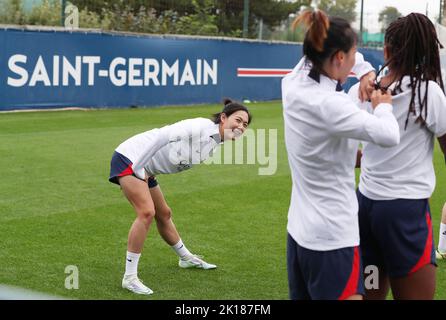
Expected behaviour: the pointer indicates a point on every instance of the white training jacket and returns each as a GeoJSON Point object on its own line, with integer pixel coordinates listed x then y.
{"type": "Point", "coordinates": [404, 171]}
{"type": "Point", "coordinates": [172, 148]}
{"type": "Point", "coordinates": [320, 125]}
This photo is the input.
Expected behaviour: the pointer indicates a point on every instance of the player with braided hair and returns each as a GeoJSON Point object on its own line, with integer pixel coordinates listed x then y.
{"type": "Point", "coordinates": [397, 182]}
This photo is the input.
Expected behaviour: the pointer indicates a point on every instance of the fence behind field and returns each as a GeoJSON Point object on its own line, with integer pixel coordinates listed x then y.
{"type": "Point", "coordinates": [55, 67]}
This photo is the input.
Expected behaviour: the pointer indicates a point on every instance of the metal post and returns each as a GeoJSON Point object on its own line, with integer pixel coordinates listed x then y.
{"type": "Point", "coordinates": [62, 19]}
{"type": "Point", "coordinates": [360, 23]}
{"type": "Point", "coordinates": [261, 29]}
{"type": "Point", "coordinates": [245, 18]}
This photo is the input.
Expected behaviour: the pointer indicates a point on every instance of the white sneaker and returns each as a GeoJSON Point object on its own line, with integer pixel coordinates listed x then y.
{"type": "Point", "coordinates": [440, 255]}
{"type": "Point", "coordinates": [195, 261]}
{"type": "Point", "coordinates": [135, 285]}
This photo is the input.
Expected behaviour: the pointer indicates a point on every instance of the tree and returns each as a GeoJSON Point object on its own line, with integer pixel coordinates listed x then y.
{"type": "Point", "coordinates": [387, 16]}
{"type": "Point", "coordinates": [201, 22]}
{"type": "Point", "coordinates": [194, 17]}
{"type": "Point", "coordinates": [228, 14]}
{"type": "Point", "coordinates": [339, 8]}
{"type": "Point", "coordinates": [48, 13]}
{"type": "Point", "coordinates": [12, 12]}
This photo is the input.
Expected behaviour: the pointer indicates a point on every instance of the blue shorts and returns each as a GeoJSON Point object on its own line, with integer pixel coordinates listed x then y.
{"type": "Point", "coordinates": [323, 275]}
{"type": "Point", "coordinates": [121, 166]}
{"type": "Point", "coordinates": [396, 235]}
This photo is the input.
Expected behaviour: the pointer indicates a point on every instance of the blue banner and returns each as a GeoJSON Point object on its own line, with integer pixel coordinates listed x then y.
{"type": "Point", "coordinates": [55, 68]}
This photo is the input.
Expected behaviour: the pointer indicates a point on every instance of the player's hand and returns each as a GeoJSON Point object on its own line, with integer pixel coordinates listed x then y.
{"type": "Point", "coordinates": [366, 86]}
{"type": "Point", "coordinates": [379, 96]}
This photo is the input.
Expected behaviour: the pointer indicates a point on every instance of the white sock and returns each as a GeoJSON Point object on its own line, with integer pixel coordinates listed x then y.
{"type": "Point", "coordinates": [181, 249]}
{"type": "Point", "coordinates": [442, 238]}
{"type": "Point", "coordinates": [131, 263]}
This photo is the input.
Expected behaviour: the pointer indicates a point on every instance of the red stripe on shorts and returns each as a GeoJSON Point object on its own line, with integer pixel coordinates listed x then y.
{"type": "Point", "coordinates": [352, 283]}
{"type": "Point", "coordinates": [426, 257]}
{"type": "Point", "coordinates": [127, 172]}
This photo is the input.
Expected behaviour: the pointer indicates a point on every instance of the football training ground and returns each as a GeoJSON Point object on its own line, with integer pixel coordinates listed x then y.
{"type": "Point", "coordinates": [58, 210]}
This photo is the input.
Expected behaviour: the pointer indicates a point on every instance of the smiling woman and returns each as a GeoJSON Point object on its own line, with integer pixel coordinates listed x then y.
{"type": "Point", "coordinates": [137, 161]}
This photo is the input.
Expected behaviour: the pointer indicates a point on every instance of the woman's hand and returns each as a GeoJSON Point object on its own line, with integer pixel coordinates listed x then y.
{"type": "Point", "coordinates": [366, 86]}
{"type": "Point", "coordinates": [379, 96]}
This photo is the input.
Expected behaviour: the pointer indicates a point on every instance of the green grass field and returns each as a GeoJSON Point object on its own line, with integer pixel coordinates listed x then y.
{"type": "Point", "coordinates": [57, 208]}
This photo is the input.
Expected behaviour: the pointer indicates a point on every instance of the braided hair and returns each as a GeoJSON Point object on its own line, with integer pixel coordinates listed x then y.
{"type": "Point", "coordinates": [413, 49]}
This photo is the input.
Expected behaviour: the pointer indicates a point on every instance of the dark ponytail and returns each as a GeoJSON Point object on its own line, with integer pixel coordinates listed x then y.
{"type": "Point", "coordinates": [324, 36]}
{"type": "Point", "coordinates": [317, 24]}
{"type": "Point", "coordinates": [229, 108]}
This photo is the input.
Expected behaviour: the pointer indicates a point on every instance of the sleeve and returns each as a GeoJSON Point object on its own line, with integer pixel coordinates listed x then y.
{"type": "Point", "coordinates": [353, 94]}
{"type": "Point", "coordinates": [185, 130]}
{"type": "Point", "coordinates": [344, 119]}
{"type": "Point", "coordinates": [361, 66]}
{"type": "Point", "coordinates": [161, 139]}
{"type": "Point", "coordinates": [436, 112]}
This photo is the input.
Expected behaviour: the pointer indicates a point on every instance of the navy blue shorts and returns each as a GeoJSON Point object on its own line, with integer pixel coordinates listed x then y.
{"type": "Point", "coordinates": [121, 166]}
{"type": "Point", "coordinates": [396, 235]}
{"type": "Point", "coordinates": [323, 275]}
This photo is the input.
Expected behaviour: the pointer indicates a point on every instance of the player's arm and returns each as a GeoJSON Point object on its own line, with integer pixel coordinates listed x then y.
{"type": "Point", "coordinates": [344, 119]}
{"type": "Point", "coordinates": [160, 139]}
{"type": "Point", "coordinates": [182, 130]}
{"type": "Point", "coordinates": [361, 67]}
{"type": "Point", "coordinates": [436, 116]}
{"type": "Point", "coordinates": [365, 73]}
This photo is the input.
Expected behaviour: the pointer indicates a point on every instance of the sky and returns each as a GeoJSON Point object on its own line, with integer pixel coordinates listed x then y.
{"type": "Point", "coordinates": [373, 7]}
